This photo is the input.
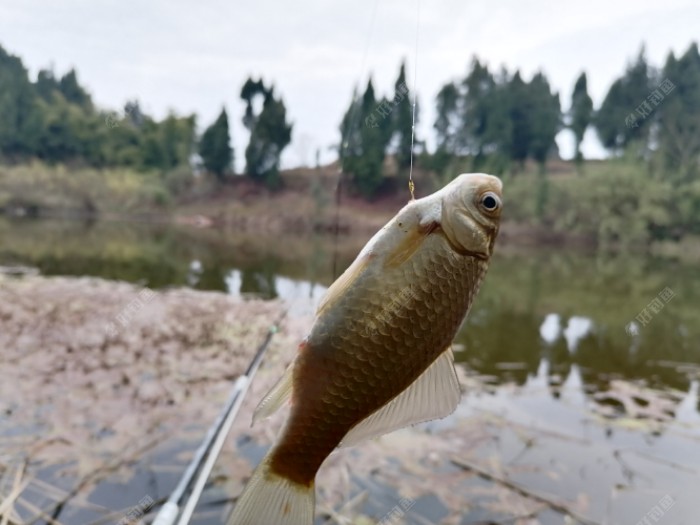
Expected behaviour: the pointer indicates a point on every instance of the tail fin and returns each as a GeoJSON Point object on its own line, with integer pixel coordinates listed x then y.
{"type": "Point", "coordinates": [270, 499]}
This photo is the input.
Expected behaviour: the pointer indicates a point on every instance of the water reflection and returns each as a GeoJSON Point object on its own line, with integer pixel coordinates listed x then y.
{"type": "Point", "coordinates": [687, 410]}
{"type": "Point", "coordinates": [547, 335]}
{"type": "Point", "coordinates": [270, 286]}
{"type": "Point", "coordinates": [573, 391]}
{"type": "Point", "coordinates": [550, 330]}
{"type": "Point", "coordinates": [568, 310]}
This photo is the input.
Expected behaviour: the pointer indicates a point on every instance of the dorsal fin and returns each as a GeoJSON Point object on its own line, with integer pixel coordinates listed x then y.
{"type": "Point", "coordinates": [345, 281]}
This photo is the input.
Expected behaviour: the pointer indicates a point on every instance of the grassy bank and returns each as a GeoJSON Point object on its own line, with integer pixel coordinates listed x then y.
{"type": "Point", "coordinates": [37, 189]}
{"type": "Point", "coordinates": [614, 204]}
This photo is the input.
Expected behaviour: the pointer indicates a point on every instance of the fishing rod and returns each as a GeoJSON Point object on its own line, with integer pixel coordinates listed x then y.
{"type": "Point", "coordinates": [208, 451]}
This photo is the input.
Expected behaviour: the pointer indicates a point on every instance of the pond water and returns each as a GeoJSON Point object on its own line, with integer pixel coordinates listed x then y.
{"type": "Point", "coordinates": [595, 357]}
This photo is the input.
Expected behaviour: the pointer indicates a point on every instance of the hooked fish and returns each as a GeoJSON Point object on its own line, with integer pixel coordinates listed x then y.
{"type": "Point", "coordinates": [378, 356]}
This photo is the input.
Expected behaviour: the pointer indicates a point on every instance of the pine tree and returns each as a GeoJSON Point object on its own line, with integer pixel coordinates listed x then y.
{"type": "Point", "coordinates": [545, 119]}
{"type": "Point", "coordinates": [445, 126]}
{"type": "Point", "coordinates": [623, 117]}
{"type": "Point", "coordinates": [520, 115]}
{"type": "Point", "coordinates": [133, 113]}
{"type": "Point", "coordinates": [249, 91]}
{"type": "Point", "coordinates": [46, 85]}
{"type": "Point", "coordinates": [270, 133]}
{"type": "Point", "coordinates": [350, 127]}
{"type": "Point", "coordinates": [72, 91]}
{"type": "Point", "coordinates": [20, 119]}
{"type": "Point", "coordinates": [477, 107]}
{"type": "Point", "coordinates": [677, 95]}
{"type": "Point", "coordinates": [496, 139]}
{"type": "Point", "coordinates": [402, 119]}
{"type": "Point", "coordinates": [580, 114]}
{"type": "Point", "coordinates": [215, 148]}
{"type": "Point", "coordinates": [446, 121]}
{"type": "Point", "coordinates": [365, 134]}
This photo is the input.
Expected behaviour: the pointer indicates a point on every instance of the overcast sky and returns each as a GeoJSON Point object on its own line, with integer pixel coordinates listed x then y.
{"type": "Point", "coordinates": [195, 56]}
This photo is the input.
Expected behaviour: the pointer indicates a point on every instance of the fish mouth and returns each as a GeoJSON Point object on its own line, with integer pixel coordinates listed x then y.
{"type": "Point", "coordinates": [485, 232]}
{"type": "Point", "coordinates": [468, 253]}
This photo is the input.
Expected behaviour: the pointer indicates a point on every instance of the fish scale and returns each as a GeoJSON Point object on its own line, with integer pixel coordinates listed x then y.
{"type": "Point", "coordinates": [397, 350]}
{"type": "Point", "coordinates": [378, 355]}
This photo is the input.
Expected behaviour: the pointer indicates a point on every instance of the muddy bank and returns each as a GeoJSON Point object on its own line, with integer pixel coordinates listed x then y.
{"type": "Point", "coordinates": [97, 375]}
{"type": "Point", "coordinates": [108, 388]}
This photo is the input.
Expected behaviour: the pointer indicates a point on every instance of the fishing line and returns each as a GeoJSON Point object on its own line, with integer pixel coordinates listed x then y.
{"type": "Point", "coordinates": [350, 129]}
{"type": "Point", "coordinates": [411, 185]}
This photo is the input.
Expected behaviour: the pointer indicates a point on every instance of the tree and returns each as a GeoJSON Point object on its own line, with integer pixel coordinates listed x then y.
{"type": "Point", "coordinates": [496, 138]}
{"type": "Point", "coordinates": [445, 126]}
{"type": "Point", "coordinates": [496, 119]}
{"type": "Point", "coordinates": [521, 116]}
{"type": "Point", "coordinates": [473, 117]}
{"type": "Point", "coordinates": [477, 108]}
{"type": "Point", "coordinates": [62, 132]}
{"type": "Point", "coordinates": [133, 113]}
{"type": "Point", "coordinates": [447, 119]}
{"type": "Point", "coordinates": [402, 119]}
{"type": "Point", "coordinates": [177, 135]}
{"type": "Point", "coordinates": [270, 132]}
{"type": "Point", "coordinates": [623, 117]}
{"type": "Point", "coordinates": [46, 85]}
{"type": "Point", "coordinates": [350, 127]}
{"type": "Point", "coordinates": [215, 147]}
{"type": "Point", "coordinates": [72, 91]}
{"type": "Point", "coordinates": [249, 91]}
{"type": "Point", "coordinates": [545, 119]}
{"type": "Point", "coordinates": [54, 120]}
{"type": "Point", "coordinates": [365, 134]}
{"type": "Point", "coordinates": [20, 120]}
{"type": "Point", "coordinates": [580, 114]}
{"type": "Point", "coordinates": [170, 143]}
{"type": "Point", "coordinates": [678, 98]}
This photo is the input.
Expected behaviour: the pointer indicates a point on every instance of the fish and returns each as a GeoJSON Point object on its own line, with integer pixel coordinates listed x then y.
{"type": "Point", "coordinates": [378, 356]}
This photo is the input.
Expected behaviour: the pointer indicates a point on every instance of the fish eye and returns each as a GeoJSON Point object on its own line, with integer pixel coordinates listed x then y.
{"type": "Point", "coordinates": [490, 201]}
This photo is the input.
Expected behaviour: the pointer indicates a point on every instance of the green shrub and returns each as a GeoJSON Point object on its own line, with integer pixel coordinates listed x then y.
{"type": "Point", "coordinates": [59, 188]}
{"type": "Point", "coordinates": [616, 203]}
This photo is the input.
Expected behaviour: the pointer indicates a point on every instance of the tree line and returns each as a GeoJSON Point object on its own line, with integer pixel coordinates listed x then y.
{"type": "Point", "coordinates": [54, 119]}
{"type": "Point", "coordinates": [489, 120]}
{"type": "Point", "coordinates": [496, 120]}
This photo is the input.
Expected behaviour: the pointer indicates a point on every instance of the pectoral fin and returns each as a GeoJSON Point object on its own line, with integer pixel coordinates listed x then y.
{"type": "Point", "coordinates": [434, 395]}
